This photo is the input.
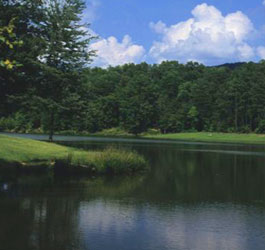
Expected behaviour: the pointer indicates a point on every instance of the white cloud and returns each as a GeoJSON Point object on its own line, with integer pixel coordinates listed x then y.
{"type": "Point", "coordinates": [112, 52]}
{"type": "Point", "coordinates": [263, 2]}
{"type": "Point", "coordinates": [89, 14]}
{"type": "Point", "coordinates": [261, 52]}
{"type": "Point", "coordinates": [207, 37]}
{"type": "Point", "coordinates": [245, 52]}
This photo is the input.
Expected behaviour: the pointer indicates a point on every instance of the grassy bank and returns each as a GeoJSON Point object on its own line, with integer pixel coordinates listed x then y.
{"type": "Point", "coordinates": [188, 136]}
{"type": "Point", "coordinates": [212, 137]}
{"type": "Point", "coordinates": [192, 136]}
{"type": "Point", "coordinates": [26, 153]}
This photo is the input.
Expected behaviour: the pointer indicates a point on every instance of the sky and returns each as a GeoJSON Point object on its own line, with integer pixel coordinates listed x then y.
{"type": "Point", "coordinates": [211, 32]}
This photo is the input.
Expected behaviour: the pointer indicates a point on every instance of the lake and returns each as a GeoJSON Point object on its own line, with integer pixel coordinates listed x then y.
{"type": "Point", "coordinates": [199, 196]}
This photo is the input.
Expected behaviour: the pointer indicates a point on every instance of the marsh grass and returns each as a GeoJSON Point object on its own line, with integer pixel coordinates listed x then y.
{"type": "Point", "coordinates": [112, 161]}
{"type": "Point", "coordinates": [31, 153]}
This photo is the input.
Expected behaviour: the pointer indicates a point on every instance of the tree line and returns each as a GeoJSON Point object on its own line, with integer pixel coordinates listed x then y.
{"type": "Point", "coordinates": [174, 97]}
{"type": "Point", "coordinates": [52, 88]}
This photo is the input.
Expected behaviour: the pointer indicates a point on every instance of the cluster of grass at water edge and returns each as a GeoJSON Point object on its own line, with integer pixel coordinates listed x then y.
{"type": "Point", "coordinates": [31, 154]}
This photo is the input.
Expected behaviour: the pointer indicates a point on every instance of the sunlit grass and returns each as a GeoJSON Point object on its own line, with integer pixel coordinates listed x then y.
{"type": "Point", "coordinates": [213, 137]}
{"type": "Point", "coordinates": [192, 136]}
{"type": "Point", "coordinates": [109, 161]}
{"type": "Point", "coordinates": [19, 150]}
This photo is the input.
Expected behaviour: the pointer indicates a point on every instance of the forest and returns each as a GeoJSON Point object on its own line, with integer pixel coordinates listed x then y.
{"type": "Point", "coordinates": [47, 84]}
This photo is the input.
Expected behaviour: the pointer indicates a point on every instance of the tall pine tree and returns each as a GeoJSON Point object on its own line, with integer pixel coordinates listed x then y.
{"type": "Point", "coordinates": [66, 53]}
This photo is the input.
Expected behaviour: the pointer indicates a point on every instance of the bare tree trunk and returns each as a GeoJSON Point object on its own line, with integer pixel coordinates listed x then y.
{"type": "Point", "coordinates": [236, 114]}
{"type": "Point", "coordinates": [51, 126]}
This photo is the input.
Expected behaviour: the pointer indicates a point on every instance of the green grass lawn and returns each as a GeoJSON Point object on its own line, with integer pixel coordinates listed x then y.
{"type": "Point", "coordinates": [212, 137]}
{"type": "Point", "coordinates": [191, 136]}
{"type": "Point", "coordinates": [27, 152]}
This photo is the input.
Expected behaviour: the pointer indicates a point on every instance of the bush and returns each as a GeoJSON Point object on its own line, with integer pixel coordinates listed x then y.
{"type": "Point", "coordinates": [261, 127]}
{"type": "Point", "coordinates": [170, 124]}
{"type": "Point", "coordinates": [7, 124]}
{"type": "Point", "coordinates": [113, 132]}
{"type": "Point", "coordinates": [244, 129]}
{"type": "Point", "coordinates": [15, 123]}
{"type": "Point", "coordinates": [231, 130]}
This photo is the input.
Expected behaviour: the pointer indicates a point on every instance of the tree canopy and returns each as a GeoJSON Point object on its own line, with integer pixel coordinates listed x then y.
{"type": "Point", "coordinates": [55, 51]}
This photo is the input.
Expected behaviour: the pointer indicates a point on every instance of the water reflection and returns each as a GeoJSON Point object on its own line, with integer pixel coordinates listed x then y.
{"type": "Point", "coordinates": [194, 197]}
{"type": "Point", "coordinates": [175, 227]}
{"type": "Point", "coordinates": [196, 173]}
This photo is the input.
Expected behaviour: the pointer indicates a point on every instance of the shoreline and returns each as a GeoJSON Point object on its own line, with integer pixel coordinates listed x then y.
{"type": "Point", "coordinates": [216, 138]}
{"type": "Point", "coordinates": [27, 155]}
{"type": "Point", "coordinates": [187, 137]}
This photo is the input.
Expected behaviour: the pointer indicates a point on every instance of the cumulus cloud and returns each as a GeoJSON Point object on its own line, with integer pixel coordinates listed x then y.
{"type": "Point", "coordinates": [261, 52]}
{"type": "Point", "coordinates": [112, 52]}
{"type": "Point", "coordinates": [207, 37]}
{"type": "Point", "coordinates": [109, 50]}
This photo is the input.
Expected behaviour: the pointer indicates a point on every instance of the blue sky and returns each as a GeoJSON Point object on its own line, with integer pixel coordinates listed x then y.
{"type": "Point", "coordinates": [210, 32]}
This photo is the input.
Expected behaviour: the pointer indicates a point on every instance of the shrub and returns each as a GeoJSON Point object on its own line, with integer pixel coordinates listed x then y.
{"type": "Point", "coordinates": [117, 131]}
{"type": "Point", "coordinates": [231, 130]}
{"type": "Point", "coordinates": [244, 129]}
{"type": "Point", "coordinates": [170, 124]}
{"type": "Point", "coordinates": [16, 122]}
{"type": "Point", "coordinates": [7, 124]}
{"type": "Point", "coordinates": [261, 127]}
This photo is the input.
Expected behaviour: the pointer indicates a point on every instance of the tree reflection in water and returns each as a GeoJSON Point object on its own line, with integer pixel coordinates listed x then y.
{"type": "Point", "coordinates": [194, 197]}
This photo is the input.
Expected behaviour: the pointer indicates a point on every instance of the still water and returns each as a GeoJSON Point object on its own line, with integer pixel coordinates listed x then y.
{"type": "Point", "coordinates": [196, 196]}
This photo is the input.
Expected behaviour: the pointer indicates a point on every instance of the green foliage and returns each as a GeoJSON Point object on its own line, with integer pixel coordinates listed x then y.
{"type": "Point", "coordinates": [137, 99]}
{"type": "Point", "coordinates": [170, 123]}
{"type": "Point", "coordinates": [261, 127]}
{"type": "Point", "coordinates": [8, 42]}
{"type": "Point", "coordinates": [7, 124]}
{"type": "Point", "coordinates": [244, 129]}
{"type": "Point", "coordinates": [17, 122]}
{"type": "Point", "coordinates": [193, 117]}
{"type": "Point", "coordinates": [113, 132]}
{"type": "Point", "coordinates": [169, 97]}
{"type": "Point", "coordinates": [55, 51]}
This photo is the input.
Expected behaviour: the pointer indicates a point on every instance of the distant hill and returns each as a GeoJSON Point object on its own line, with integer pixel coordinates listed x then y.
{"type": "Point", "coordinates": [231, 65]}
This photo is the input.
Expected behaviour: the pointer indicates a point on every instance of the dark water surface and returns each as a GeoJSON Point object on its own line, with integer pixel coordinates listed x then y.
{"type": "Point", "coordinates": [196, 196]}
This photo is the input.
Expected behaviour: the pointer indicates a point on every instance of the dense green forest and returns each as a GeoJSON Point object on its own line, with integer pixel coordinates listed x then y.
{"type": "Point", "coordinates": [52, 88]}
